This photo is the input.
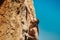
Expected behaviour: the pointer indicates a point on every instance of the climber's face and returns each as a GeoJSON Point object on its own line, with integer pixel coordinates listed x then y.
{"type": "Point", "coordinates": [34, 21]}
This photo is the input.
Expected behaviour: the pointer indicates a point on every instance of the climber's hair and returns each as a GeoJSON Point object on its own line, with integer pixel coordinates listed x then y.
{"type": "Point", "coordinates": [1, 2]}
{"type": "Point", "coordinates": [37, 25]}
{"type": "Point", "coordinates": [37, 21]}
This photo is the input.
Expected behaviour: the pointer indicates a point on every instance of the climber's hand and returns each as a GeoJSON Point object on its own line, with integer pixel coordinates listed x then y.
{"type": "Point", "coordinates": [28, 35]}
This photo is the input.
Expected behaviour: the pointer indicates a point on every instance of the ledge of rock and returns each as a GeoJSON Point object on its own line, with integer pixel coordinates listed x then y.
{"type": "Point", "coordinates": [14, 17]}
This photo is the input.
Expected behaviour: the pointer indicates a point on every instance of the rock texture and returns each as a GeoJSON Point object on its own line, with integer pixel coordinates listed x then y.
{"type": "Point", "coordinates": [15, 16]}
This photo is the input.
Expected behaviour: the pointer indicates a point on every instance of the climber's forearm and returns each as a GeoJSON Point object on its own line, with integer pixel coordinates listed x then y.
{"type": "Point", "coordinates": [29, 35]}
{"type": "Point", "coordinates": [36, 35]}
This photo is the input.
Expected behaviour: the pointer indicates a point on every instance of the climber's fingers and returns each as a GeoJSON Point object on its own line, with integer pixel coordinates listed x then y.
{"type": "Point", "coordinates": [28, 35]}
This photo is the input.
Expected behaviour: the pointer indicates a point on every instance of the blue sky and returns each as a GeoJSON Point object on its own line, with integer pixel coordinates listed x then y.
{"type": "Point", "coordinates": [48, 12]}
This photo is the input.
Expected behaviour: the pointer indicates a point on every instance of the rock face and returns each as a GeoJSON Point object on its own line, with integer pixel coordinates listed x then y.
{"type": "Point", "coordinates": [15, 16]}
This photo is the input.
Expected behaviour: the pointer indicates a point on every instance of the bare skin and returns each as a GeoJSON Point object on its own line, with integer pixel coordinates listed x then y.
{"type": "Point", "coordinates": [36, 33]}
{"type": "Point", "coordinates": [33, 31]}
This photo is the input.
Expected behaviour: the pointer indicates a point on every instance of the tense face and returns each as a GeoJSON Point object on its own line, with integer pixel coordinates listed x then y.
{"type": "Point", "coordinates": [36, 21]}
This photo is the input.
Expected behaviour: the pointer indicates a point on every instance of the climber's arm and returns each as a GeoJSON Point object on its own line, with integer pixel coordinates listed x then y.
{"type": "Point", "coordinates": [28, 35]}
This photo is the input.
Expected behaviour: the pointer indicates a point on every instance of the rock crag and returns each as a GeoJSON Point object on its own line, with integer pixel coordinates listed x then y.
{"type": "Point", "coordinates": [15, 16]}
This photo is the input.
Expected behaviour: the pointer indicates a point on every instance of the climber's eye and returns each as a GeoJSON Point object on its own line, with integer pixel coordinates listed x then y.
{"type": "Point", "coordinates": [1, 2]}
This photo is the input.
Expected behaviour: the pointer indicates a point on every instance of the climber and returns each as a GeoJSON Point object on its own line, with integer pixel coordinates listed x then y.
{"type": "Point", "coordinates": [33, 30]}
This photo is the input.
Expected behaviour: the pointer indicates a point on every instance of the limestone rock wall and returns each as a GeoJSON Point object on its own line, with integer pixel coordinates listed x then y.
{"type": "Point", "coordinates": [15, 16]}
